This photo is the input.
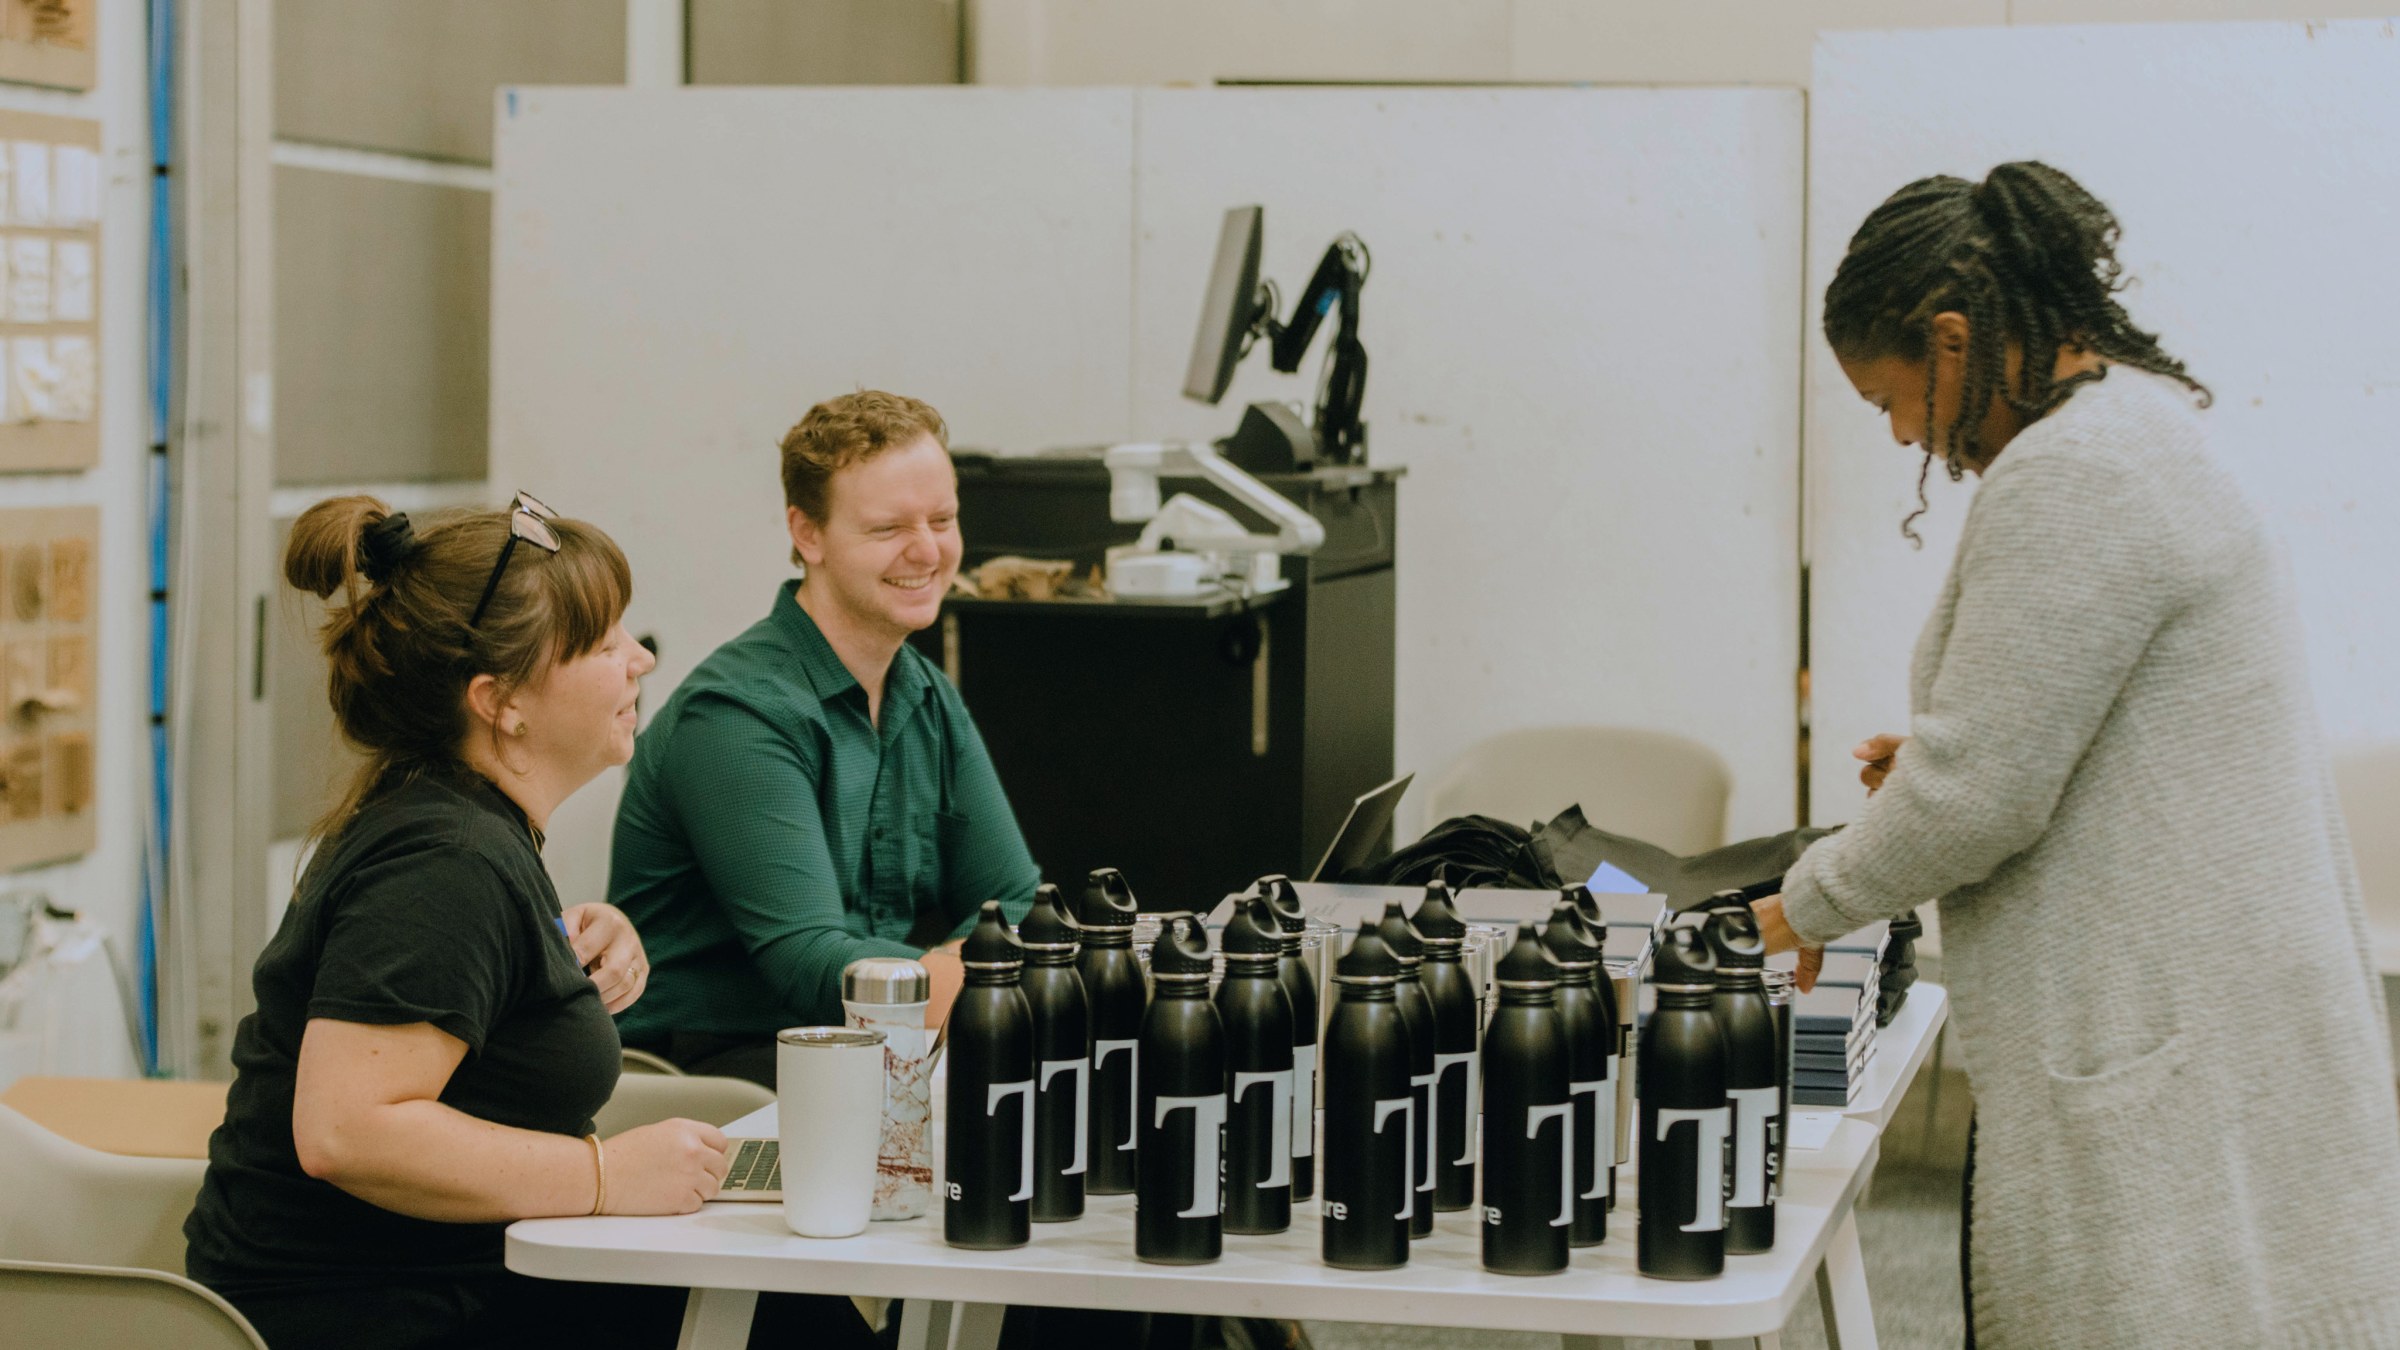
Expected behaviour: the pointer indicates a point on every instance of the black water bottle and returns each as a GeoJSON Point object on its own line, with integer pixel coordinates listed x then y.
{"type": "Point", "coordinates": [1178, 1209]}
{"type": "Point", "coordinates": [1528, 1120]}
{"type": "Point", "coordinates": [987, 1150]}
{"type": "Point", "coordinates": [1686, 1125]}
{"type": "Point", "coordinates": [1301, 988]}
{"type": "Point", "coordinates": [1062, 1054]}
{"type": "Point", "coordinates": [1119, 993]}
{"type": "Point", "coordinates": [1620, 1033]}
{"type": "Point", "coordinates": [1752, 1050]}
{"type": "Point", "coordinates": [1370, 1189]}
{"type": "Point", "coordinates": [1417, 1010]}
{"type": "Point", "coordinates": [1258, 1072]}
{"type": "Point", "coordinates": [1567, 941]}
{"type": "Point", "coordinates": [1456, 1030]}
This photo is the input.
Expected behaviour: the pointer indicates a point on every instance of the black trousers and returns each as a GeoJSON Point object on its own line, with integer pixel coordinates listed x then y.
{"type": "Point", "coordinates": [1966, 1236]}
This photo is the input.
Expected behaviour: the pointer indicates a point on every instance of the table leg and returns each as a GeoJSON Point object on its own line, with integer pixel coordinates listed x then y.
{"type": "Point", "coordinates": [1842, 1290]}
{"type": "Point", "coordinates": [717, 1319]}
{"type": "Point", "coordinates": [928, 1325]}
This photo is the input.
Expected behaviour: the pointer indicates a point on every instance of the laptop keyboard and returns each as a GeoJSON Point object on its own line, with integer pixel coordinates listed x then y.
{"type": "Point", "coordinates": [757, 1166]}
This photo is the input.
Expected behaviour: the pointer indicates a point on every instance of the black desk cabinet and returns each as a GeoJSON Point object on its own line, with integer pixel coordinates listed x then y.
{"type": "Point", "coordinates": [1131, 735]}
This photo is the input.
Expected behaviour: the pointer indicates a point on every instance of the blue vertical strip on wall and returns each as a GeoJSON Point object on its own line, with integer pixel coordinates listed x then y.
{"type": "Point", "coordinates": [161, 355]}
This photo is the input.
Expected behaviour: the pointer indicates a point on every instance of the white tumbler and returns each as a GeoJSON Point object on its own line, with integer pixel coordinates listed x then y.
{"type": "Point", "coordinates": [829, 1094]}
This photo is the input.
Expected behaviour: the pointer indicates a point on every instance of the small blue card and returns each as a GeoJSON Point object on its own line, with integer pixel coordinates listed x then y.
{"type": "Point", "coordinates": [1611, 880]}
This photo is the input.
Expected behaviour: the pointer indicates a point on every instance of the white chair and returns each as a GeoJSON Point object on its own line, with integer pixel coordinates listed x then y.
{"type": "Point", "coordinates": [646, 1099]}
{"type": "Point", "coordinates": [1656, 787]}
{"type": "Point", "coordinates": [642, 1061]}
{"type": "Point", "coordinates": [61, 1202]}
{"type": "Point", "coordinates": [54, 1306]}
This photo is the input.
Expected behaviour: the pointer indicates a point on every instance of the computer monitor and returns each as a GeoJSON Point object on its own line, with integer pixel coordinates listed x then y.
{"type": "Point", "coordinates": [1229, 309]}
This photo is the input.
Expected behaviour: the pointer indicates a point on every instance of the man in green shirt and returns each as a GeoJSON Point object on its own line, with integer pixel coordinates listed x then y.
{"type": "Point", "coordinates": [814, 791]}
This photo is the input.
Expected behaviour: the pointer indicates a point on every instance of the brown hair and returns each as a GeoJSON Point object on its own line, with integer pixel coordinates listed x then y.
{"type": "Point", "coordinates": [400, 651]}
{"type": "Point", "coordinates": [842, 431]}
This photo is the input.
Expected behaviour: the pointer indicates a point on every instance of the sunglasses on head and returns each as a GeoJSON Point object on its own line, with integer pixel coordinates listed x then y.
{"type": "Point", "coordinates": [528, 520]}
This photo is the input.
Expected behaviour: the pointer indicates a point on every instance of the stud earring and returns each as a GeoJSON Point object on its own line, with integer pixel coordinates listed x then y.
{"type": "Point", "coordinates": [517, 730]}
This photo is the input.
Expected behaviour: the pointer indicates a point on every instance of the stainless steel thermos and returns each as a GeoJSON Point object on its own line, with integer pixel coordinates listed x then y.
{"type": "Point", "coordinates": [1528, 1120]}
{"type": "Point", "coordinates": [1565, 938]}
{"type": "Point", "coordinates": [1370, 1188]}
{"type": "Point", "coordinates": [1119, 993]}
{"type": "Point", "coordinates": [1178, 1211]}
{"type": "Point", "coordinates": [1062, 1055]}
{"type": "Point", "coordinates": [1257, 1016]}
{"type": "Point", "coordinates": [1417, 1011]}
{"type": "Point", "coordinates": [1686, 1125]}
{"type": "Point", "coordinates": [1456, 1030]}
{"type": "Point", "coordinates": [1301, 988]}
{"type": "Point", "coordinates": [988, 1148]}
{"type": "Point", "coordinates": [1752, 1058]}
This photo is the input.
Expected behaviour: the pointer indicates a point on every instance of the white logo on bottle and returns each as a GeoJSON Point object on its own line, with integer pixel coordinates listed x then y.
{"type": "Point", "coordinates": [1101, 1050]}
{"type": "Point", "coordinates": [1752, 1109]}
{"type": "Point", "coordinates": [1081, 1070]}
{"type": "Point", "coordinates": [1208, 1128]}
{"type": "Point", "coordinates": [1279, 1134]}
{"type": "Point", "coordinates": [1564, 1114]}
{"type": "Point", "coordinates": [1710, 1127]}
{"type": "Point", "coordinates": [991, 1107]}
{"type": "Point", "coordinates": [1442, 1065]}
{"type": "Point", "coordinates": [1421, 1157]}
{"type": "Point", "coordinates": [1604, 1133]}
{"type": "Point", "coordinates": [1407, 1109]}
{"type": "Point", "coordinates": [1304, 1101]}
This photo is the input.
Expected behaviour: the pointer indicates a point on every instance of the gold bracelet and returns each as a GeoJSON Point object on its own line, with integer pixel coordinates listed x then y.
{"type": "Point", "coordinates": [599, 1171]}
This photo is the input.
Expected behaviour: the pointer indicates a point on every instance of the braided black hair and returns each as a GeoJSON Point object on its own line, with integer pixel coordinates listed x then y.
{"type": "Point", "coordinates": [2029, 257]}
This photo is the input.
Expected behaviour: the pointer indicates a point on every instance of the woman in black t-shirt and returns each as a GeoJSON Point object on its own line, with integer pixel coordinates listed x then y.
{"type": "Point", "coordinates": [433, 1033]}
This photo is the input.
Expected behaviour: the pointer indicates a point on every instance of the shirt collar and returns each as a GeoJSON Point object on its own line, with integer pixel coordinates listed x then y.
{"type": "Point", "coordinates": [904, 684]}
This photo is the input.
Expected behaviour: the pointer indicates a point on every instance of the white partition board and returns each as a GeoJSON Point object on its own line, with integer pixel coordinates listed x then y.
{"type": "Point", "coordinates": [2256, 171]}
{"type": "Point", "coordinates": [1580, 326]}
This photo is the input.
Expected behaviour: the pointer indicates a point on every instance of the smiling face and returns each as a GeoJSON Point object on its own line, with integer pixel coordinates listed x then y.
{"type": "Point", "coordinates": [889, 546]}
{"type": "Point", "coordinates": [580, 716]}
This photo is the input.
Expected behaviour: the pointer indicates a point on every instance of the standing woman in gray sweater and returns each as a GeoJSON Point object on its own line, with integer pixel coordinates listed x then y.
{"type": "Point", "coordinates": [2115, 787]}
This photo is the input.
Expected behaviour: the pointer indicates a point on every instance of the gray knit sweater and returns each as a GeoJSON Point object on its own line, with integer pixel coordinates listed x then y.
{"type": "Point", "coordinates": [2116, 787]}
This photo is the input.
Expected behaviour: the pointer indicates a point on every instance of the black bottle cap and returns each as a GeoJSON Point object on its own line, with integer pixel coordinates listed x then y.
{"type": "Point", "coordinates": [991, 945]}
{"type": "Point", "coordinates": [1047, 925]}
{"type": "Point", "coordinates": [1527, 962]}
{"type": "Point", "coordinates": [1401, 936]}
{"type": "Point", "coordinates": [1436, 919]}
{"type": "Point", "coordinates": [1252, 931]}
{"type": "Point", "coordinates": [1284, 898]}
{"type": "Point", "coordinates": [1565, 937]}
{"type": "Point", "coordinates": [1683, 961]}
{"type": "Point", "coordinates": [1733, 938]}
{"type": "Point", "coordinates": [1368, 957]}
{"type": "Point", "coordinates": [1588, 920]}
{"type": "Point", "coordinates": [1726, 900]}
{"type": "Point", "coordinates": [1107, 900]}
{"type": "Point", "coordinates": [1181, 949]}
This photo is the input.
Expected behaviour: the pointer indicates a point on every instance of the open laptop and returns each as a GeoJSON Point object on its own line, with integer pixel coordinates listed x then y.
{"type": "Point", "coordinates": [757, 1171]}
{"type": "Point", "coordinates": [1362, 830]}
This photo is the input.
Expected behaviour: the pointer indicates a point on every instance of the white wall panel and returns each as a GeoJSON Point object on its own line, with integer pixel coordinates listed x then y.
{"type": "Point", "coordinates": [2256, 170]}
{"type": "Point", "coordinates": [1706, 41]}
{"type": "Point", "coordinates": [1581, 330]}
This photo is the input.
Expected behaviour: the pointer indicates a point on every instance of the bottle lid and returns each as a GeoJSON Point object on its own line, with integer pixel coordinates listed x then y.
{"type": "Point", "coordinates": [1408, 948]}
{"type": "Point", "coordinates": [1107, 900]}
{"type": "Point", "coordinates": [1181, 950]}
{"type": "Point", "coordinates": [1527, 964]}
{"type": "Point", "coordinates": [991, 946]}
{"type": "Point", "coordinates": [885, 979]}
{"type": "Point", "coordinates": [1682, 963]}
{"type": "Point", "coordinates": [1047, 926]}
{"type": "Point", "coordinates": [829, 1038]}
{"type": "Point", "coordinates": [1368, 961]}
{"type": "Point", "coordinates": [1252, 931]}
{"type": "Point", "coordinates": [1436, 919]}
{"type": "Point", "coordinates": [1284, 898]}
{"type": "Point", "coordinates": [1733, 938]}
{"type": "Point", "coordinates": [1566, 939]}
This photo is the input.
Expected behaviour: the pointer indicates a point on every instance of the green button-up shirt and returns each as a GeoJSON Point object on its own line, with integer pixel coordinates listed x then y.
{"type": "Point", "coordinates": [771, 833]}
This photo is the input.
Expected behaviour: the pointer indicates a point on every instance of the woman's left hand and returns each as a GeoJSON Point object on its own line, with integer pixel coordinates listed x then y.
{"type": "Point", "coordinates": [1780, 938]}
{"type": "Point", "coordinates": [611, 952]}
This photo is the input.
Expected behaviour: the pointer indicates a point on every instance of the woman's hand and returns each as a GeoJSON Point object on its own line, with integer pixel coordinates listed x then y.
{"type": "Point", "coordinates": [1781, 938]}
{"type": "Point", "coordinates": [667, 1168]}
{"type": "Point", "coordinates": [1877, 752]}
{"type": "Point", "coordinates": [610, 952]}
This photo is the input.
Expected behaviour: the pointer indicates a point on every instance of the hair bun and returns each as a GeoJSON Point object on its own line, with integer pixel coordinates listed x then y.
{"type": "Point", "coordinates": [384, 545]}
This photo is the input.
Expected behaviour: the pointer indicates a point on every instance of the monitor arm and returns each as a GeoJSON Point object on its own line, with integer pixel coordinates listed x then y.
{"type": "Point", "coordinates": [1340, 275]}
{"type": "Point", "coordinates": [1134, 471]}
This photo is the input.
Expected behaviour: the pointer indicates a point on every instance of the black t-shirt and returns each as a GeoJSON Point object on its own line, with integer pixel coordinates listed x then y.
{"type": "Point", "coordinates": [430, 906]}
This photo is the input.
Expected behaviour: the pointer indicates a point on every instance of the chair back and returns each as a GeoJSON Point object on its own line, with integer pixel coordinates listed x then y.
{"type": "Point", "coordinates": [645, 1099]}
{"type": "Point", "coordinates": [58, 1306]}
{"type": "Point", "coordinates": [61, 1202]}
{"type": "Point", "coordinates": [1656, 787]}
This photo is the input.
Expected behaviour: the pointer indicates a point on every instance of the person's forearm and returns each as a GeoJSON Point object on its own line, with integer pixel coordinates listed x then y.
{"type": "Point", "coordinates": [431, 1161]}
{"type": "Point", "coordinates": [805, 967]}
